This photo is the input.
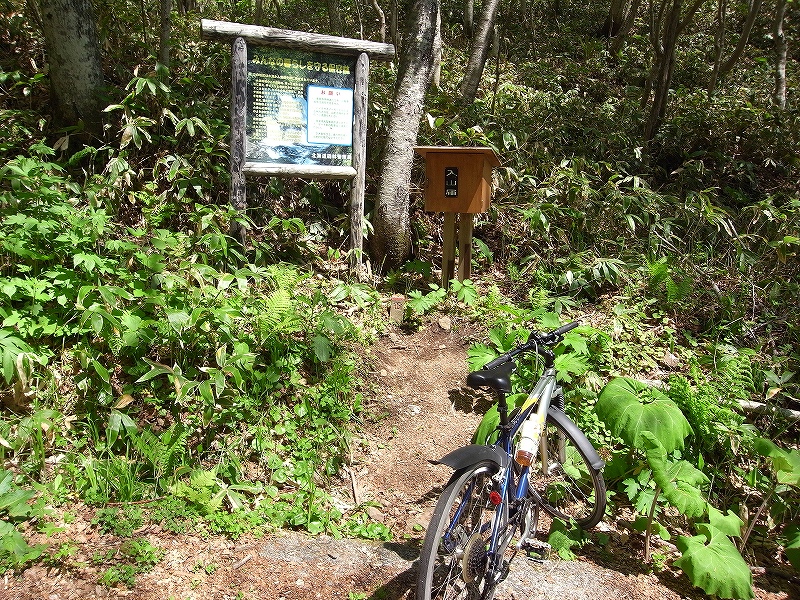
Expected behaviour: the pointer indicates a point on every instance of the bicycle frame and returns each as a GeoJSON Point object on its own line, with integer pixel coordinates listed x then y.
{"type": "Point", "coordinates": [512, 493]}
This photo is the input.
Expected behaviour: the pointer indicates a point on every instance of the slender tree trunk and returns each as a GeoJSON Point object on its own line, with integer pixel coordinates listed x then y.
{"type": "Point", "coordinates": [437, 57]}
{"type": "Point", "coordinates": [614, 19]}
{"type": "Point", "coordinates": [335, 17]}
{"type": "Point", "coordinates": [673, 25]}
{"type": "Point", "coordinates": [755, 7]}
{"type": "Point", "coordinates": [73, 53]}
{"type": "Point", "coordinates": [394, 32]}
{"type": "Point", "coordinates": [360, 21]}
{"type": "Point", "coordinates": [719, 40]}
{"type": "Point", "coordinates": [469, 15]}
{"type": "Point", "coordinates": [628, 19]}
{"type": "Point", "coordinates": [481, 43]}
{"type": "Point", "coordinates": [665, 67]}
{"type": "Point", "coordinates": [166, 28]}
{"type": "Point", "coordinates": [381, 20]}
{"type": "Point", "coordinates": [391, 241]}
{"type": "Point", "coordinates": [781, 49]}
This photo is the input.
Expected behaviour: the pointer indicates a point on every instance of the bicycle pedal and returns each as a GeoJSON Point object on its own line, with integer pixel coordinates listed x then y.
{"type": "Point", "coordinates": [537, 550]}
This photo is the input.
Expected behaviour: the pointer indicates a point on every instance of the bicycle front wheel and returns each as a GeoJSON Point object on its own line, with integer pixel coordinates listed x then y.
{"type": "Point", "coordinates": [454, 558]}
{"type": "Point", "coordinates": [563, 479]}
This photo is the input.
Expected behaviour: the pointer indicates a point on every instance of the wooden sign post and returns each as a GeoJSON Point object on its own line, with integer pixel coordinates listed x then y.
{"type": "Point", "coordinates": [458, 181]}
{"type": "Point", "coordinates": [298, 109]}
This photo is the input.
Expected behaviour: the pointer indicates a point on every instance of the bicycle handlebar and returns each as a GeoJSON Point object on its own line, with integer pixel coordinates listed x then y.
{"type": "Point", "coordinates": [535, 340]}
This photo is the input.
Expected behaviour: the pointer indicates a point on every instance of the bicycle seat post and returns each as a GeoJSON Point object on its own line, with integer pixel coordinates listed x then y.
{"type": "Point", "coordinates": [502, 409]}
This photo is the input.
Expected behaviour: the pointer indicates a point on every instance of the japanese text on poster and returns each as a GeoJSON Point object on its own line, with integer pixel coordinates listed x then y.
{"type": "Point", "coordinates": [299, 107]}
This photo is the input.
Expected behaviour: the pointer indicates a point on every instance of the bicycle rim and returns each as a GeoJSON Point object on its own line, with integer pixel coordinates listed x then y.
{"type": "Point", "coordinates": [564, 481]}
{"type": "Point", "coordinates": [453, 561]}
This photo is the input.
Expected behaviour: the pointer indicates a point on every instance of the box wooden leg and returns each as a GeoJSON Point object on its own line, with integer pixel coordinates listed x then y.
{"type": "Point", "coordinates": [448, 248]}
{"type": "Point", "coordinates": [464, 246]}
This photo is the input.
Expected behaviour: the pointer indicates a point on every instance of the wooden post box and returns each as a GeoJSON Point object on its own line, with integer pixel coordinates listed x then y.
{"type": "Point", "coordinates": [458, 180]}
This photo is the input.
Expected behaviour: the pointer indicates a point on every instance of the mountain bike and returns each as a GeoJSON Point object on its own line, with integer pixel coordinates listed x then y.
{"type": "Point", "coordinates": [540, 459]}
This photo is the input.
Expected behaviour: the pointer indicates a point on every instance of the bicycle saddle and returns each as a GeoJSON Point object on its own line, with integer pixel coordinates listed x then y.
{"type": "Point", "coordinates": [498, 378]}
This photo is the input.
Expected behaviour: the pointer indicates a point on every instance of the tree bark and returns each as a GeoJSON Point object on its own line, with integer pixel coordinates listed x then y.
{"type": "Point", "coordinates": [437, 57]}
{"type": "Point", "coordinates": [664, 46]}
{"type": "Point", "coordinates": [73, 53]}
{"type": "Point", "coordinates": [719, 40]}
{"type": "Point", "coordinates": [481, 43]}
{"type": "Point", "coordinates": [624, 28]}
{"type": "Point", "coordinates": [391, 241]}
{"type": "Point", "coordinates": [335, 17]}
{"type": "Point", "coordinates": [781, 49]}
{"type": "Point", "coordinates": [755, 7]}
{"type": "Point", "coordinates": [469, 14]}
{"type": "Point", "coordinates": [381, 20]}
{"type": "Point", "coordinates": [614, 19]}
{"type": "Point", "coordinates": [166, 28]}
{"type": "Point", "coordinates": [394, 34]}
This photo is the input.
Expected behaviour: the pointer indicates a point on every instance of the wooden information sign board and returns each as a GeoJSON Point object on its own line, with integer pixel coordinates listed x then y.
{"type": "Point", "coordinates": [298, 109]}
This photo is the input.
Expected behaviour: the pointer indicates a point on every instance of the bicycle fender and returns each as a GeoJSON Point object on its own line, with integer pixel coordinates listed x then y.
{"type": "Point", "coordinates": [578, 436]}
{"type": "Point", "coordinates": [472, 455]}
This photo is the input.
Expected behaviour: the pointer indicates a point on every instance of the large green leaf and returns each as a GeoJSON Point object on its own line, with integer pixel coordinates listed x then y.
{"type": "Point", "coordinates": [14, 550]}
{"type": "Point", "coordinates": [679, 481]}
{"type": "Point", "coordinates": [786, 463]}
{"type": "Point", "coordinates": [730, 524]}
{"type": "Point", "coordinates": [792, 545]}
{"type": "Point", "coordinates": [629, 407]}
{"type": "Point", "coordinates": [713, 563]}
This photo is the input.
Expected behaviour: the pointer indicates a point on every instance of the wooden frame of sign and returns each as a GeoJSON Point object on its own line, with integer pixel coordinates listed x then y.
{"type": "Point", "coordinates": [308, 53]}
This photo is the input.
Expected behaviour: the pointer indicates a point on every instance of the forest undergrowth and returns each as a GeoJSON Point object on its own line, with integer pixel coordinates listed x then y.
{"type": "Point", "coordinates": [152, 365]}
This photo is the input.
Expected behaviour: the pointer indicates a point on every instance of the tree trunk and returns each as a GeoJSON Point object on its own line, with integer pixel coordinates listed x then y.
{"type": "Point", "coordinates": [665, 45]}
{"type": "Point", "coordinates": [391, 240]}
{"type": "Point", "coordinates": [335, 17]}
{"type": "Point", "coordinates": [479, 51]}
{"type": "Point", "coordinates": [614, 19]}
{"type": "Point", "coordinates": [755, 7]}
{"type": "Point", "coordinates": [437, 57]}
{"type": "Point", "coordinates": [624, 29]}
{"type": "Point", "coordinates": [73, 53]}
{"type": "Point", "coordinates": [664, 69]}
{"type": "Point", "coordinates": [469, 15]}
{"type": "Point", "coordinates": [781, 49]}
{"type": "Point", "coordinates": [394, 33]}
{"type": "Point", "coordinates": [164, 37]}
{"type": "Point", "coordinates": [381, 20]}
{"type": "Point", "coordinates": [719, 40]}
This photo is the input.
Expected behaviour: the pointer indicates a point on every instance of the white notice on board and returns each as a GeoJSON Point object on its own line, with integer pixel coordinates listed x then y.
{"type": "Point", "coordinates": [330, 115]}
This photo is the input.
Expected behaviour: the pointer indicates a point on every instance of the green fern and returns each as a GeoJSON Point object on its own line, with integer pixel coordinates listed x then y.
{"type": "Point", "coordinates": [661, 276]}
{"type": "Point", "coordinates": [164, 453]}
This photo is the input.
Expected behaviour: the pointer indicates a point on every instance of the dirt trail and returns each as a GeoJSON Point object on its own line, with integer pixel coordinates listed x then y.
{"type": "Point", "coordinates": [422, 411]}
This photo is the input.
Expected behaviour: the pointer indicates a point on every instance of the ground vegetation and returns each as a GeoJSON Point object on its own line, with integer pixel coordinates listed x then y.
{"type": "Point", "coordinates": [152, 365]}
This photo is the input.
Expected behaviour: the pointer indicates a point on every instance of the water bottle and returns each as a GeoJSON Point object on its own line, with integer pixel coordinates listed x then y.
{"type": "Point", "coordinates": [529, 438]}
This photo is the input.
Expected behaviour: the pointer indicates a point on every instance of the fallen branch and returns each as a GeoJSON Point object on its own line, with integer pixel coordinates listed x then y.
{"type": "Point", "coordinates": [760, 408]}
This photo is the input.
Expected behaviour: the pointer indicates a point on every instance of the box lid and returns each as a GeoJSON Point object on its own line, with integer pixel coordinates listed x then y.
{"type": "Point", "coordinates": [488, 153]}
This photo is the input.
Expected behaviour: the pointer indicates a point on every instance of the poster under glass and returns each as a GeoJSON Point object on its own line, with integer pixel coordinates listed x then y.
{"type": "Point", "coordinates": [299, 107]}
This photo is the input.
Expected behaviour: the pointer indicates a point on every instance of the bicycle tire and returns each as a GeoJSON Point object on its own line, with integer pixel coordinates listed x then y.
{"type": "Point", "coordinates": [562, 479]}
{"type": "Point", "coordinates": [452, 564]}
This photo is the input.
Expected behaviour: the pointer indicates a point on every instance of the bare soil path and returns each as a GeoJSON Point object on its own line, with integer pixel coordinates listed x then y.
{"type": "Point", "coordinates": [421, 410]}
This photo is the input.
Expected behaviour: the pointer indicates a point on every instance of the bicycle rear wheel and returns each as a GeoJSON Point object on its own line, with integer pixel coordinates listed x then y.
{"type": "Point", "coordinates": [454, 559]}
{"type": "Point", "coordinates": [563, 479]}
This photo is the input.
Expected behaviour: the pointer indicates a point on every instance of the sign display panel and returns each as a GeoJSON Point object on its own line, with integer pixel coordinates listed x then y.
{"type": "Point", "coordinates": [299, 107]}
